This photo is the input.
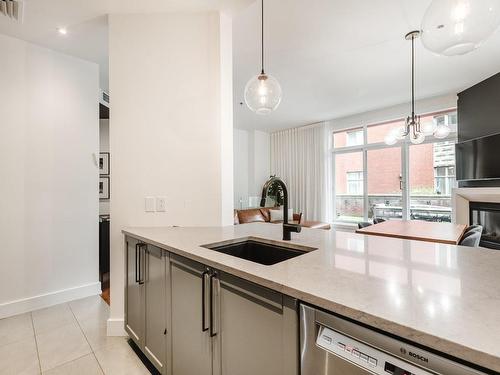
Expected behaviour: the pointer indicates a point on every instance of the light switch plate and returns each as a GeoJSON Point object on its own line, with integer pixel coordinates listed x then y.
{"type": "Point", "coordinates": [161, 204]}
{"type": "Point", "coordinates": [149, 203]}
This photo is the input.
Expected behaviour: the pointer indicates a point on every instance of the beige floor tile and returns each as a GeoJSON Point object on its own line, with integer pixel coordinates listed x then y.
{"type": "Point", "coordinates": [120, 360]}
{"type": "Point", "coordinates": [89, 308]}
{"type": "Point", "coordinates": [46, 320]}
{"type": "Point", "coordinates": [15, 328]}
{"type": "Point", "coordinates": [95, 330]}
{"type": "Point", "coordinates": [61, 345]}
{"type": "Point", "coordinates": [82, 366]}
{"type": "Point", "coordinates": [19, 358]}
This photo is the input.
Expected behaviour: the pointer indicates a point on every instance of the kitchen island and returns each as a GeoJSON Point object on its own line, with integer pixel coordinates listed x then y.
{"type": "Point", "coordinates": [440, 296]}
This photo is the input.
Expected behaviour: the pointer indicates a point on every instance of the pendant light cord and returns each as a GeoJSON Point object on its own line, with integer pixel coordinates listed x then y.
{"type": "Point", "coordinates": [262, 36]}
{"type": "Point", "coordinates": [413, 77]}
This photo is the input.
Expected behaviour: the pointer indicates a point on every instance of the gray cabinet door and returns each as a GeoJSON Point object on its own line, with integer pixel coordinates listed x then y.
{"type": "Point", "coordinates": [134, 296]}
{"type": "Point", "coordinates": [191, 342]}
{"type": "Point", "coordinates": [257, 331]}
{"type": "Point", "coordinates": [156, 282]}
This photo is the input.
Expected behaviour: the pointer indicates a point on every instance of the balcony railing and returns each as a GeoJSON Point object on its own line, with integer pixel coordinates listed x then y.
{"type": "Point", "coordinates": [389, 206]}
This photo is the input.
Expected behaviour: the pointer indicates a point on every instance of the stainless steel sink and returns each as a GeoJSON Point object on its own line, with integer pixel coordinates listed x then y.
{"type": "Point", "coordinates": [259, 251]}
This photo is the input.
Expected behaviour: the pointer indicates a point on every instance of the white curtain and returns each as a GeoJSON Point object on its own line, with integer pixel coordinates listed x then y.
{"type": "Point", "coordinates": [301, 158]}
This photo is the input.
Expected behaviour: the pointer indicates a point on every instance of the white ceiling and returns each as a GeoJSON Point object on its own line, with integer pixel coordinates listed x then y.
{"type": "Point", "coordinates": [334, 58]}
{"type": "Point", "coordinates": [86, 22]}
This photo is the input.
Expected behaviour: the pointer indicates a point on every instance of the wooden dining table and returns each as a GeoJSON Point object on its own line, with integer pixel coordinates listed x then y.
{"type": "Point", "coordinates": [446, 233]}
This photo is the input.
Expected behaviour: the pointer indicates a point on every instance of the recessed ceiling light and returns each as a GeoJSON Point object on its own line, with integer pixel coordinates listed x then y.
{"type": "Point", "coordinates": [62, 30]}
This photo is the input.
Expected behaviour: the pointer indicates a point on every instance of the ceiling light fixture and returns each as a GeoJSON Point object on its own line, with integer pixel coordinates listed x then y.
{"type": "Point", "coordinates": [412, 125]}
{"type": "Point", "coordinates": [413, 129]}
{"type": "Point", "coordinates": [263, 92]}
{"type": "Point", "coordinates": [457, 27]}
{"type": "Point", "coordinates": [62, 30]}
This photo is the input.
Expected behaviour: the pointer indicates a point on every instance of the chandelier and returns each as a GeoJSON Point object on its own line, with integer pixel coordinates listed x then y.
{"type": "Point", "coordinates": [413, 129]}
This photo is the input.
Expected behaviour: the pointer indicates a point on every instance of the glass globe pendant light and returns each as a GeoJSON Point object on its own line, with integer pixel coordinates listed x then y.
{"type": "Point", "coordinates": [263, 92]}
{"type": "Point", "coordinates": [456, 27]}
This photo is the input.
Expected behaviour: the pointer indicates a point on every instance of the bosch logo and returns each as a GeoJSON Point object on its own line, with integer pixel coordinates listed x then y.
{"type": "Point", "coordinates": [414, 355]}
{"type": "Point", "coordinates": [419, 357]}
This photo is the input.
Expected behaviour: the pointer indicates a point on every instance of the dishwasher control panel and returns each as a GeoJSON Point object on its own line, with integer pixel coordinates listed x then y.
{"type": "Point", "coordinates": [373, 360]}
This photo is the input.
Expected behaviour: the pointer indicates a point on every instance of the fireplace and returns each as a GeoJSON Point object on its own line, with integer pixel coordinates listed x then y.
{"type": "Point", "coordinates": [487, 215]}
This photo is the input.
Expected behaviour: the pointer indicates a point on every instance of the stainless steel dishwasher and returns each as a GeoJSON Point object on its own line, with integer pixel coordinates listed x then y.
{"type": "Point", "coordinates": [334, 346]}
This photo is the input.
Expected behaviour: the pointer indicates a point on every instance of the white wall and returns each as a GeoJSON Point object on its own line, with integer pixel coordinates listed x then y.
{"type": "Point", "coordinates": [48, 190]}
{"type": "Point", "coordinates": [104, 147]}
{"type": "Point", "coordinates": [241, 168]}
{"type": "Point", "coordinates": [252, 163]}
{"type": "Point", "coordinates": [170, 130]}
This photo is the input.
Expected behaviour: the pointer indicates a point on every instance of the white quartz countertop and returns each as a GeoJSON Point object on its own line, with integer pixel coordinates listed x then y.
{"type": "Point", "coordinates": [445, 297]}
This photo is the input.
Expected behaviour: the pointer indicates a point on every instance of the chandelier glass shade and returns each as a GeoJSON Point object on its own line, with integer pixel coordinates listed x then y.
{"type": "Point", "coordinates": [457, 27]}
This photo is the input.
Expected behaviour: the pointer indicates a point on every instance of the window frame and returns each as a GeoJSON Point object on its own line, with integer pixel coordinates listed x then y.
{"type": "Point", "coordinates": [354, 132]}
{"type": "Point", "coordinates": [365, 147]}
{"type": "Point", "coordinates": [358, 180]}
{"type": "Point", "coordinates": [447, 178]}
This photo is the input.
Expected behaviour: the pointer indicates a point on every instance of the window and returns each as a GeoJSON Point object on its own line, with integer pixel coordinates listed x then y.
{"type": "Point", "coordinates": [349, 203]}
{"type": "Point", "coordinates": [349, 138]}
{"type": "Point", "coordinates": [444, 178]}
{"type": "Point", "coordinates": [403, 181]}
{"type": "Point", "coordinates": [355, 182]}
{"type": "Point", "coordinates": [384, 183]}
{"type": "Point", "coordinates": [377, 133]}
{"type": "Point", "coordinates": [449, 119]}
{"type": "Point", "coordinates": [355, 138]}
{"type": "Point", "coordinates": [432, 171]}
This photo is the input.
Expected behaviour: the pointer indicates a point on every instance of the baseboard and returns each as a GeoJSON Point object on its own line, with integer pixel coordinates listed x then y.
{"type": "Point", "coordinates": [115, 327]}
{"type": "Point", "coordinates": [46, 300]}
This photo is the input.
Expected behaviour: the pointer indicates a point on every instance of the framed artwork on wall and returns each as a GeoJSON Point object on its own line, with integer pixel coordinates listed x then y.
{"type": "Point", "coordinates": [103, 188]}
{"type": "Point", "coordinates": [104, 163]}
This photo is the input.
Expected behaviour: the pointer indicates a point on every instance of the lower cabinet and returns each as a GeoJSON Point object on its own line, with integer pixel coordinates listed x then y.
{"type": "Point", "coordinates": [157, 297]}
{"type": "Point", "coordinates": [134, 296]}
{"type": "Point", "coordinates": [190, 319]}
{"type": "Point", "coordinates": [146, 300]}
{"type": "Point", "coordinates": [192, 344]}
{"type": "Point", "coordinates": [258, 329]}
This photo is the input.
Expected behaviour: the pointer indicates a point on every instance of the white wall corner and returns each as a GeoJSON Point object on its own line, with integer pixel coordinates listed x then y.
{"type": "Point", "coordinates": [226, 117]}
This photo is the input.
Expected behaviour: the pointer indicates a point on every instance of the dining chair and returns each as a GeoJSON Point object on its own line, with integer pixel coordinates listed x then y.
{"type": "Point", "coordinates": [378, 220]}
{"type": "Point", "coordinates": [471, 239]}
{"type": "Point", "coordinates": [363, 224]}
{"type": "Point", "coordinates": [474, 228]}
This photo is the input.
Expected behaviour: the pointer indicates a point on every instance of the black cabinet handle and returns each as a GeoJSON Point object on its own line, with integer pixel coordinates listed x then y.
{"type": "Point", "coordinates": [141, 265]}
{"type": "Point", "coordinates": [136, 264]}
{"type": "Point", "coordinates": [203, 302]}
{"type": "Point", "coordinates": [212, 331]}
